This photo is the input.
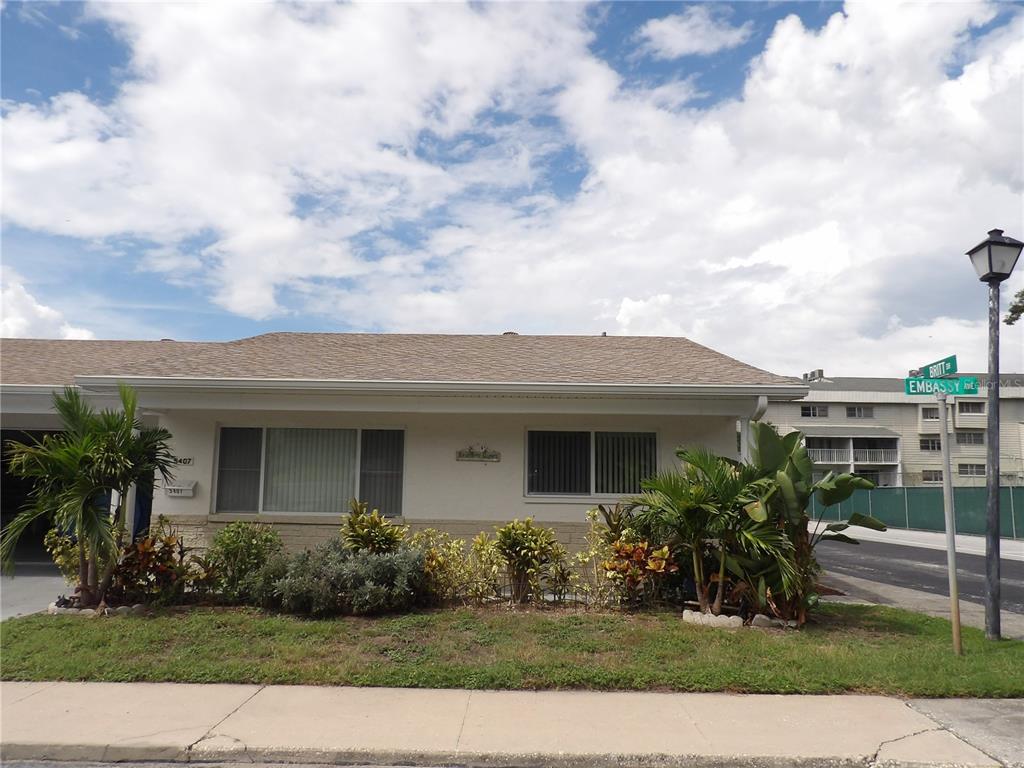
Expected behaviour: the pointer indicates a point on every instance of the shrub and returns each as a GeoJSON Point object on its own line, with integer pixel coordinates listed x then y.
{"type": "Point", "coordinates": [370, 531]}
{"type": "Point", "coordinates": [334, 579]}
{"type": "Point", "coordinates": [239, 549]}
{"type": "Point", "coordinates": [485, 569]}
{"type": "Point", "coordinates": [526, 549]}
{"type": "Point", "coordinates": [64, 551]}
{"type": "Point", "coordinates": [446, 567]}
{"type": "Point", "coordinates": [154, 568]}
{"type": "Point", "coordinates": [559, 577]}
{"type": "Point", "coordinates": [260, 587]}
{"type": "Point", "coordinates": [637, 569]}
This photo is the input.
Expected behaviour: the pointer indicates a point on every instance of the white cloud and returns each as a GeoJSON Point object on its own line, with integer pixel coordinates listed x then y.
{"type": "Point", "coordinates": [817, 221]}
{"type": "Point", "coordinates": [700, 30]}
{"type": "Point", "coordinates": [21, 316]}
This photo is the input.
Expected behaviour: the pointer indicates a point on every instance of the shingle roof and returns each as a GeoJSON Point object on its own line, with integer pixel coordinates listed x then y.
{"type": "Point", "coordinates": [387, 357]}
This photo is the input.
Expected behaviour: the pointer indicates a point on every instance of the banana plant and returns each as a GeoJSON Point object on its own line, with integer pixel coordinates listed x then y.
{"type": "Point", "coordinates": [784, 461]}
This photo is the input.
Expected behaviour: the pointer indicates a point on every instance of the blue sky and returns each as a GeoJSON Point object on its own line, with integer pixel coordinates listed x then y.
{"type": "Point", "coordinates": [673, 168]}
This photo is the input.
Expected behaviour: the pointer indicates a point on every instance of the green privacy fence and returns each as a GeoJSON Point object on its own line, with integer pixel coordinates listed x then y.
{"type": "Point", "coordinates": [921, 509]}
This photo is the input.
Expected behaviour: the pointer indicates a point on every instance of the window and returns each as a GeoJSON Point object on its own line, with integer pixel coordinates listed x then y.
{"type": "Point", "coordinates": [309, 471]}
{"type": "Point", "coordinates": [381, 455]}
{"type": "Point", "coordinates": [931, 475]}
{"type": "Point", "coordinates": [584, 463]}
{"type": "Point", "coordinates": [814, 411]}
{"type": "Point", "coordinates": [970, 438]}
{"type": "Point", "coordinates": [860, 412]}
{"type": "Point", "coordinates": [930, 443]}
{"type": "Point", "coordinates": [971, 470]}
{"type": "Point", "coordinates": [622, 460]}
{"type": "Point", "coordinates": [238, 470]}
{"type": "Point", "coordinates": [930, 414]}
{"type": "Point", "coordinates": [971, 406]}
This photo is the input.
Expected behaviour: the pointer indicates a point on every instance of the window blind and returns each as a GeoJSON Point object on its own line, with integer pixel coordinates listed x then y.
{"type": "Point", "coordinates": [380, 476]}
{"type": "Point", "coordinates": [309, 470]}
{"type": "Point", "coordinates": [238, 473]}
{"type": "Point", "coordinates": [622, 460]}
{"type": "Point", "coordinates": [558, 462]}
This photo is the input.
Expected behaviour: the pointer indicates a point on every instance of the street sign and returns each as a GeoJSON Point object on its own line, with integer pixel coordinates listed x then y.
{"type": "Point", "coordinates": [964, 385]}
{"type": "Point", "coordinates": [944, 367]}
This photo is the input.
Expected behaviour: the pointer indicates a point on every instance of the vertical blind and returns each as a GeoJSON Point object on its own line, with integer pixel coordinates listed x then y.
{"type": "Point", "coordinates": [380, 474]}
{"type": "Point", "coordinates": [309, 470]}
{"type": "Point", "coordinates": [622, 460]}
{"type": "Point", "coordinates": [238, 473]}
{"type": "Point", "coordinates": [558, 462]}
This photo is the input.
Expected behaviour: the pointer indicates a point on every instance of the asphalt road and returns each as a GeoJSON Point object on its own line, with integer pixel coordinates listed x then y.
{"type": "Point", "coordinates": [922, 569]}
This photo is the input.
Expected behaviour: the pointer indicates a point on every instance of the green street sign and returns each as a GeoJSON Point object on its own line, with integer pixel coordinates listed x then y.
{"type": "Point", "coordinates": [944, 367]}
{"type": "Point", "coordinates": [964, 385]}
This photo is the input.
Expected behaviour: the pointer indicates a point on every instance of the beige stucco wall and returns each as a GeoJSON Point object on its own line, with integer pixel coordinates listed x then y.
{"type": "Point", "coordinates": [462, 497]}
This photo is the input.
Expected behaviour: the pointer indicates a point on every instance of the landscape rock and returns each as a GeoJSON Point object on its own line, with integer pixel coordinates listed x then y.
{"type": "Point", "coordinates": [87, 612]}
{"type": "Point", "coordinates": [138, 609]}
{"type": "Point", "coordinates": [760, 620]}
{"type": "Point", "coordinates": [735, 621]}
{"type": "Point", "coordinates": [123, 610]}
{"type": "Point", "coordinates": [51, 608]}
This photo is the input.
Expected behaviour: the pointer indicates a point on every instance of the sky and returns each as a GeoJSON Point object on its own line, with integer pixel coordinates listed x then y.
{"type": "Point", "coordinates": [793, 184]}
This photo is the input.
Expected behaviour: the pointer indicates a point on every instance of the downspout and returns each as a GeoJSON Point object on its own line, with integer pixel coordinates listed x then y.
{"type": "Point", "coordinates": [758, 413]}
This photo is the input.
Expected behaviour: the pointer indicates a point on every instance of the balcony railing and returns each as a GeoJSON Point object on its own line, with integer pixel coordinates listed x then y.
{"type": "Point", "coordinates": [829, 455]}
{"type": "Point", "coordinates": [876, 455]}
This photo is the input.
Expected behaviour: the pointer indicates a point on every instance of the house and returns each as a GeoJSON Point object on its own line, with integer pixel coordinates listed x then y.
{"type": "Point", "coordinates": [871, 427]}
{"type": "Point", "coordinates": [456, 432]}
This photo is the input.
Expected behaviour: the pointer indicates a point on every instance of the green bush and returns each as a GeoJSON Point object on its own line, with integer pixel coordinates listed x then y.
{"type": "Point", "coordinates": [370, 531]}
{"type": "Point", "coordinates": [64, 551]}
{"type": "Point", "coordinates": [446, 566]}
{"type": "Point", "coordinates": [260, 587]}
{"type": "Point", "coordinates": [527, 550]}
{"type": "Point", "coordinates": [239, 549]}
{"type": "Point", "coordinates": [334, 579]}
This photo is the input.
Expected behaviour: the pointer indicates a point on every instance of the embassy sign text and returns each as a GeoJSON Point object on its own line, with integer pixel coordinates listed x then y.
{"type": "Point", "coordinates": [964, 385]}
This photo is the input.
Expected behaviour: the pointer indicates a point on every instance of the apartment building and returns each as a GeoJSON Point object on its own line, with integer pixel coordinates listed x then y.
{"type": "Point", "coordinates": [869, 426]}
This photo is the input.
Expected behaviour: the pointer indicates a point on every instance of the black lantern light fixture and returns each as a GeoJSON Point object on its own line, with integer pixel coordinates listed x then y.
{"type": "Point", "coordinates": [995, 257]}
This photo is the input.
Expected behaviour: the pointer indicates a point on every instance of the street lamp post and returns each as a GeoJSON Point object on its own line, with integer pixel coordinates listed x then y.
{"type": "Point", "coordinates": [993, 260]}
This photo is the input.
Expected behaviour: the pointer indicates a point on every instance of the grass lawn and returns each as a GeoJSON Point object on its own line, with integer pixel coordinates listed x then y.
{"type": "Point", "coordinates": [848, 648]}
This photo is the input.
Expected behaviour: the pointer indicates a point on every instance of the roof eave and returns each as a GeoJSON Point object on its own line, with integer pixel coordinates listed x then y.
{"type": "Point", "coordinates": [477, 388]}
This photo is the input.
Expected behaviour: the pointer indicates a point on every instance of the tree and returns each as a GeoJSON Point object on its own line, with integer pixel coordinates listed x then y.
{"type": "Point", "coordinates": [76, 474]}
{"type": "Point", "coordinates": [708, 507]}
{"type": "Point", "coordinates": [1016, 308]}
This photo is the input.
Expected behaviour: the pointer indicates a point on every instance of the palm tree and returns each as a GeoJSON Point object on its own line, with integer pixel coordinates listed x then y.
{"type": "Point", "coordinates": [76, 472]}
{"type": "Point", "coordinates": [713, 503]}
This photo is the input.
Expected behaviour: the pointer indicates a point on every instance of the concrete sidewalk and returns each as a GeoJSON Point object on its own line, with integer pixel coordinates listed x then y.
{"type": "Point", "coordinates": [381, 726]}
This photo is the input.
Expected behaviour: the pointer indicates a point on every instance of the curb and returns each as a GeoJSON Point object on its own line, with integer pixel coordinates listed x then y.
{"type": "Point", "coordinates": [95, 753]}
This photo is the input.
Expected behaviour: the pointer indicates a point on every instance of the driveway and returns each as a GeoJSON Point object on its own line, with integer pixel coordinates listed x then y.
{"type": "Point", "coordinates": [33, 587]}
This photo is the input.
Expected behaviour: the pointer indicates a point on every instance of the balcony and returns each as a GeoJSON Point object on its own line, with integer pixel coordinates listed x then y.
{"type": "Point", "coordinates": [875, 455]}
{"type": "Point", "coordinates": [829, 455]}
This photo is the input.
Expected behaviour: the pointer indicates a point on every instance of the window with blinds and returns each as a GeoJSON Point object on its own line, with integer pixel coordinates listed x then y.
{"type": "Point", "coordinates": [309, 471]}
{"type": "Point", "coordinates": [380, 474]}
{"type": "Point", "coordinates": [238, 470]}
{"type": "Point", "coordinates": [622, 460]}
{"type": "Point", "coordinates": [585, 463]}
{"type": "Point", "coordinates": [558, 462]}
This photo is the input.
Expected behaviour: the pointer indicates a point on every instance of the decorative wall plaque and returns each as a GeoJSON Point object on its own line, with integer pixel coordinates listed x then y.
{"type": "Point", "coordinates": [477, 453]}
